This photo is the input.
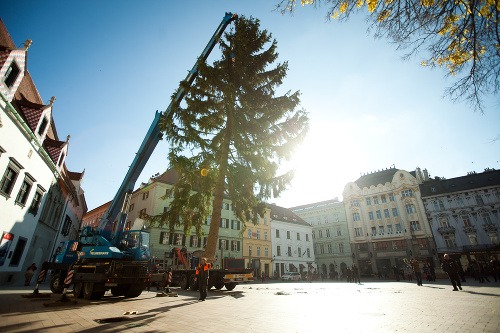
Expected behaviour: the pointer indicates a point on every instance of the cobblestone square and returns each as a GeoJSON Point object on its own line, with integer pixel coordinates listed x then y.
{"type": "Point", "coordinates": [269, 307]}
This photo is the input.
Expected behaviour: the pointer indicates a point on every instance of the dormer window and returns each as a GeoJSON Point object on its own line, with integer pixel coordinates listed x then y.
{"type": "Point", "coordinates": [11, 74]}
{"type": "Point", "coordinates": [43, 126]}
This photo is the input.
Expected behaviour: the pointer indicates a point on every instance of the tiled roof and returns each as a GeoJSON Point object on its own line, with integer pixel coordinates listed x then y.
{"type": "Point", "coordinates": [27, 90]}
{"type": "Point", "coordinates": [316, 204]}
{"type": "Point", "coordinates": [470, 182]}
{"type": "Point", "coordinates": [77, 176]}
{"type": "Point", "coordinates": [31, 112]}
{"type": "Point", "coordinates": [375, 178]}
{"type": "Point", "coordinates": [53, 147]}
{"type": "Point", "coordinates": [3, 57]}
{"type": "Point", "coordinates": [5, 39]}
{"type": "Point", "coordinates": [286, 215]}
{"type": "Point", "coordinates": [168, 177]}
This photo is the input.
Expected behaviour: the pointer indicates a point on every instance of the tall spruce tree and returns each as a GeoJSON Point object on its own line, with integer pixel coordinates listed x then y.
{"type": "Point", "coordinates": [231, 134]}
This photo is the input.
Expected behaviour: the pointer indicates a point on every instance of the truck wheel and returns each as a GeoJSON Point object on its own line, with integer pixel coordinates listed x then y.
{"type": "Point", "coordinates": [88, 289]}
{"type": "Point", "coordinates": [230, 286]}
{"type": "Point", "coordinates": [117, 291]}
{"type": "Point", "coordinates": [93, 291]}
{"type": "Point", "coordinates": [98, 294]}
{"type": "Point", "coordinates": [218, 285]}
{"type": "Point", "coordinates": [78, 290]}
{"type": "Point", "coordinates": [210, 284]}
{"type": "Point", "coordinates": [193, 283]}
{"type": "Point", "coordinates": [55, 284]}
{"type": "Point", "coordinates": [133, 290]}
{"type": "Point", "coordinates": [184, 282]}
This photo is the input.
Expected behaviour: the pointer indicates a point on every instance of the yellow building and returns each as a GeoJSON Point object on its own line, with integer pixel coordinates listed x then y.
{"type": "Point", "coordinates": [257, 246]}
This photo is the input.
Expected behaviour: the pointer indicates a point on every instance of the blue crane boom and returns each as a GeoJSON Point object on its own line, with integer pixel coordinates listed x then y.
{"type": "Point", "coordinates": [153, 136]}
{"type": "Point", "coordinates": [111, 257]}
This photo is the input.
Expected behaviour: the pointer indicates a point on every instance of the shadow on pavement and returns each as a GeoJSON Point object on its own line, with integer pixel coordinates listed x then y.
{"type": "Point", "coordinates": [476, 293]}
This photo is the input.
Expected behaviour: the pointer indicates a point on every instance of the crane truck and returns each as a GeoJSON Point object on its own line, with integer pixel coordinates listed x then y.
{"type": "Point", "coordinates": [109, 257]}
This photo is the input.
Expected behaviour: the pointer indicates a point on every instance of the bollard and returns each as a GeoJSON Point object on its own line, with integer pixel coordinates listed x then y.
{"type": "Point", "coordinates": [168, 282]}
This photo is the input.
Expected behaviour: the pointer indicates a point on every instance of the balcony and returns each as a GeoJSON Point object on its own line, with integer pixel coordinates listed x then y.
{"type": "Point", "coordinates": [490, 228]}
{"type": "Point", "coordinates": [470, 229]}
{"type": "Point", "coordinates": [480, 247]}
{"type": "Point", "coordinates": [446, 230]}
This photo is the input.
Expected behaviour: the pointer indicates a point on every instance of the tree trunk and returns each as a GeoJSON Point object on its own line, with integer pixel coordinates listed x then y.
{"type": "Point", "coordinates": [220, 187]}
{"type": "Point", "coordinates": [213, 234]}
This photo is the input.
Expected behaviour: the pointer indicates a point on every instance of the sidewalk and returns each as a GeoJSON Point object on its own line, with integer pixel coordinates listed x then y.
{"type": "Point", "coordinates": [269, 307]}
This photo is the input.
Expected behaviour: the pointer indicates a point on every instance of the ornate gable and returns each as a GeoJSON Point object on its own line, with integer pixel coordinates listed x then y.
{"type": "Point", "coordinates": [57, 150]}
{"type": "Point", "coordinates": [12, 69]}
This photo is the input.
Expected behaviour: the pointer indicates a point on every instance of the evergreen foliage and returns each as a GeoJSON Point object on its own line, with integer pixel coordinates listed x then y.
{"type": "Point", "coordinates": [232, 133]}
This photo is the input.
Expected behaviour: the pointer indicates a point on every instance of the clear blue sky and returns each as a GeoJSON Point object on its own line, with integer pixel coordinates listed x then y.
{"type": "Point", "coordinates": [112, 63]}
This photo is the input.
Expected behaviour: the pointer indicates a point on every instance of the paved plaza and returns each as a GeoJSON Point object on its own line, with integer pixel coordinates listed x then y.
{"type": "Point", "coordinates": [268, 307]}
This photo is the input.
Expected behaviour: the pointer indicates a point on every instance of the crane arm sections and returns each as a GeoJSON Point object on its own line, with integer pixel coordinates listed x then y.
{"type": "Point", "coordinates": [228, 18]}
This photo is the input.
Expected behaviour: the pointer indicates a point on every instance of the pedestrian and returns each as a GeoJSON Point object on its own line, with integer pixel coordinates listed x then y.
{"type": "Point", "coordinates": [263, 276]}
{"type": "Point", "coordinates": [396, 273]}
{"type": "Point", "coordinates": [355, 274]}
{"type": "Point", "coordinates": [479, 271]}
{"type": "Point", "coordinates": [415, 265]}
{"type": "Point", "coordinates": [432, 271]}
{"type": "Point", "coordinates": [28, 275]}
{"type": "Point", "coordinates": [202, 275]}
{"type": "Point", "coordinates": [451, 268]}
{"type": "Point", "coordinates": [495, 268]}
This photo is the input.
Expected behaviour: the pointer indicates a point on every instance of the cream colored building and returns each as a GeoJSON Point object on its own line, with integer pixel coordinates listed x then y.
{"type": "Point", "coordinates": [330, 234]}
{"type": "Point", "coordinates": [150, 199]}
{"type": "Point", "coordinates": [387, 221]}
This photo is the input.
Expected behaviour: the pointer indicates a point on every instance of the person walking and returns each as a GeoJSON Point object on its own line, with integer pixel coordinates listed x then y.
{"type": "Point", "coordinates": [451, 268]}
{"type": "Point", "coordinates": [396, 272]}
{"type": "Point", "coordinates": [355, 274]}
{"type": "Point", "coordinates": [28, 275]}
{"type": "Point", "coordinates": [415, 265]}
{"type": "Point", "coordinates": [202, 274]}
{"type": "Point", "coordinates": [495, 268]}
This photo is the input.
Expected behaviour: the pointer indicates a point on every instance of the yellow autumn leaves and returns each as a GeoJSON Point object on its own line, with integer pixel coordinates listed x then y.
{"type": "Point", "coordinates": [460, 44]}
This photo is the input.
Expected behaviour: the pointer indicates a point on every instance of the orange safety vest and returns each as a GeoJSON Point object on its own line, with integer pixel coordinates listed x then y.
{"type": "Point", "coordinates": [206, 267]}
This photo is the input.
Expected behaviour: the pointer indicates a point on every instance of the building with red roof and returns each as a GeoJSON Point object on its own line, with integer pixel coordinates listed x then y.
{"type": "Point", "coordinates": [41, 202]}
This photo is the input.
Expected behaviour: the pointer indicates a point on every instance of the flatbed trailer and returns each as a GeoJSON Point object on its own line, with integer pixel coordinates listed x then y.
{"type": "Point", "coordinates": [218, 278]}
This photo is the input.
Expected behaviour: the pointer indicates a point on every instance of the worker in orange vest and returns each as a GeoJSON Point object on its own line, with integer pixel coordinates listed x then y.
{"type": "Point", "coordinates": [202, 276]}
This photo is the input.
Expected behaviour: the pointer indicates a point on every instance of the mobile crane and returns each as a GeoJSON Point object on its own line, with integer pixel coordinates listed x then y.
{"type": "Point", "coordinates": [109, 257]}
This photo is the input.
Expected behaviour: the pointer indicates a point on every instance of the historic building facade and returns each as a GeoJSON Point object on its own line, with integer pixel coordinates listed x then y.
{"type": "Point", "coordinates": [464, 214]}
{"type": "Point", "coordinates": [149, 199]}
{"type": "Point", "coordinates": [387, 221]}
{"type": "Point", "coordinates": [41, 202]}
{"type": "Point", "coordinates": [330, 234]}
{"type": "Point", "coordinates": [257, 247]}
{"type": "Point", "coordinates": [292, 243]}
